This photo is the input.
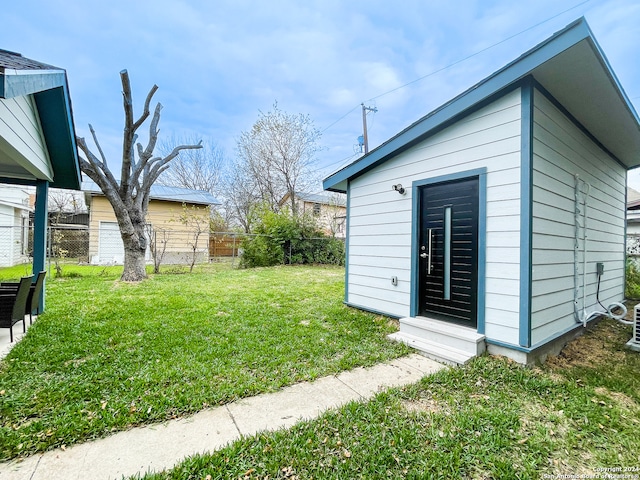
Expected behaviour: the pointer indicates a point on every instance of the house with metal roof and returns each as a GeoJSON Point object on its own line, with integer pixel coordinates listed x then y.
{"type": "Point", "coordinates": [37, 136]}
{"type": "Point", "coordinates": [329, 210]}
{"type": "Point", "coordinates": [497, 221]}
{"type": "Point", "coordinates": [166, 231]}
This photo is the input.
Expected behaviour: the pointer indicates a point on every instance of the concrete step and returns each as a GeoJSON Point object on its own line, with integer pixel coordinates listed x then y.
{"type": "Point", "coordinates": [435, 351]}
{"type": "Point", "coordinates": [450, 335]}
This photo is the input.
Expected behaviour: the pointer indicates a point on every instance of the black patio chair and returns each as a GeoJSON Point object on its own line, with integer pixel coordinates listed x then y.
{"type": "Point", "coordinates": [13, 304]}
{"type": "Point", "coordinates": [35, 292]}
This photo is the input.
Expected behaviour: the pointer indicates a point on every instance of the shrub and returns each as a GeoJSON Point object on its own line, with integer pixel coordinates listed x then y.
{"type": "Point", "coordinates": [281, 238]}
{"type": "Point", "coordinates": [632, 288]}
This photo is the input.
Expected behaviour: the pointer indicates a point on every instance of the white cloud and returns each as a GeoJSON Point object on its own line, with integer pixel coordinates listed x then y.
{"type": "Point", "coordinates": [218, 63]}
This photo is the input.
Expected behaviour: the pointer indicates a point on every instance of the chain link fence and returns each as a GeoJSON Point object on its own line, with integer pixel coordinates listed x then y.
{"type": "Point", "coordinates": [78, 244]}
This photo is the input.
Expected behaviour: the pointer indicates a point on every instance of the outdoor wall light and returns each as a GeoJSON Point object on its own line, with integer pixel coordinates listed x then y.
{"type": "Point", "coordinates": [398, 188]}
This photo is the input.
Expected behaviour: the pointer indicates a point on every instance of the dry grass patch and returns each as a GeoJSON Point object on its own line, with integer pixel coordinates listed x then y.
{"type": "Point", "coordinates": [421, 405]}
{"type": "Point", "coordinates": [621, 399]}
{"type": "Point", "coordinates": [596, 346]}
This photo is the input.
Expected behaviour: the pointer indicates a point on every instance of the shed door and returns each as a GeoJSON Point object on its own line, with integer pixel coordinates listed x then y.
{"type": "Point", "coordinates": [448, 251]}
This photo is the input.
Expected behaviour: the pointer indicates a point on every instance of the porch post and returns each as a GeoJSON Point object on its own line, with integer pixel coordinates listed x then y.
{"type": "Point", "coordinates": [40, 232]}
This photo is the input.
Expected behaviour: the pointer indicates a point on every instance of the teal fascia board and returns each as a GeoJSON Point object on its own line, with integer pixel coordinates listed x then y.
{"type": "Point", "coordinates": [458, 106]}
{"type": "Point", "coordinates": [526, 210]}
{"type": "Point", "coordinates": [56, 119]}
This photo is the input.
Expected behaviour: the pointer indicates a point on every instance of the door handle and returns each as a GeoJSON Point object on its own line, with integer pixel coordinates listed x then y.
{"type": "Point", "coordinates": [429, 265]}
{"type": "Point", "coordinates": [429, 248]}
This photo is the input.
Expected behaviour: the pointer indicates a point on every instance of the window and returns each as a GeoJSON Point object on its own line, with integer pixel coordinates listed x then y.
{"type": "Point", "coordinates": [316, 209]}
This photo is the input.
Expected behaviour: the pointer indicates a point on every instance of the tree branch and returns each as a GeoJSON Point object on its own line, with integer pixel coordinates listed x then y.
{"type": "Point", "coordinates": [100, 169]}
{"type": "Point", "coordinates": [101, 175]}
{"type": "Point", "coordinates": [95, 140]}
{"type": "Point", "coordinates": [146, 111]}
{"type": "Point", "coordinates": [153, 132]}
{"type": "Point", "coordinates": [130, 128]}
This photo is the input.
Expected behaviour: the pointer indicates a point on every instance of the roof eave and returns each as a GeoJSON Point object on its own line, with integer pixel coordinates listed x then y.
{"type": "Point", "coordinates": [16, 83]}
{"type": "Point", "coordinates": [51, 94]}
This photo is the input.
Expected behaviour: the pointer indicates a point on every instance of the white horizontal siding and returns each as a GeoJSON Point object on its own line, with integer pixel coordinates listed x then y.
{"type": "Point", "coordinates": [21, 137]}
{"type": "Point", "coordinates": [380, 219]}
{"type": "Point", "coordinates": [562, 150]}
{"type": "Point", "coordinates": [6, 235]}
{"type": "Point", "coordinates": [11, 235]}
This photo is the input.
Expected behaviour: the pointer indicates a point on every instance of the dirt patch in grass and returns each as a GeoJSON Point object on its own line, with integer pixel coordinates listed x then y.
{"type": "Point", "coordinates": [601, 343]}
{"type": "Point", "coordinates": [423, 405]}
{"type": "Point", "coordinates": [620, 398]}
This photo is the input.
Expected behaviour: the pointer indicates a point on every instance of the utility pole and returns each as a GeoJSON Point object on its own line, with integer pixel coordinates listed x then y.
{"type": "Point", "coordinates": [364, 125]}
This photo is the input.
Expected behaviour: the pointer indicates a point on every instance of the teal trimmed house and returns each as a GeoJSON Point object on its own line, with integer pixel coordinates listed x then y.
{"type": "Point", "coordinates": [37, 135]}
{"type": "Point", "coordinates": [497, 221]}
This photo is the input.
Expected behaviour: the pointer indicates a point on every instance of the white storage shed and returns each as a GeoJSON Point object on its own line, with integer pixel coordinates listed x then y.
{"type": "Point", "coordinates": [498, 220]}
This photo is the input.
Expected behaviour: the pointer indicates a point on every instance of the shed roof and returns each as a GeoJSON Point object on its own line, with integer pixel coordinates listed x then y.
{"type": "Point", "coordinates": [19, 206]}
{"type": "Point", "coordinates": [164, 192]}
{"type": "Point", "coordinates": [570, 65]}
{"type": "Point", "coordinates": [21, 76]}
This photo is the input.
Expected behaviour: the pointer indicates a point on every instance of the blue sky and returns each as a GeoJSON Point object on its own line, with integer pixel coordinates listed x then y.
{"type": "Point", "coordinates": [219, 63]}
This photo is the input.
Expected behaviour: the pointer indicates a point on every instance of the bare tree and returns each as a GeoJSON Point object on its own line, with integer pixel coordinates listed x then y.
{"type": "Point", "coordinates": [276, 156]}
{"type": "Point", "coordinates": [198, 222]}
{"type": "Point", "coordinates": [158, 241]}
{"type": "Point", "coordinates": [129, 196]}
{"type": "Point", "coordinates": [241, 197]}
{"type": "Point", "coordinates": [64, 201]}
{"type": "Point", "coordinates": [334, 215]}
{"type": "Point", "coordinates": [195, 169]}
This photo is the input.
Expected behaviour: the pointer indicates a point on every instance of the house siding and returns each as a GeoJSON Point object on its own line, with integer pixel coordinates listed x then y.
{"type": "Point", "coordinates": [6, 235]}
{"type": "Point", "coordinates": [380, 220]}
{"type": "Point", "coordinates": [562, 150]}
{"type": "Point", "coordinates": [20, 136]}
{"type": "Point", "coordinates": [162, 216]}
{"type": "Point", "coordinates": [12, 235]}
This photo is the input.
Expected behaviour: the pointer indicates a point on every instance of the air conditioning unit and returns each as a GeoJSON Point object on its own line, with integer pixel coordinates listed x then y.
{"type": "Point", "coordinates": [634, 343]}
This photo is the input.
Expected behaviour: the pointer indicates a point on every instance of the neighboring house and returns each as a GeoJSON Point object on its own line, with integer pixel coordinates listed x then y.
{"type": "Point", "coordinates": [330, 211]}
{"type": "Point", "coordinates": [166, 231]}
{"type": "Point", "coordinates": [465, 224]}
{"type": "Point", "coordinates": [633, 223]}
{"type": "Point", "coordinates": [37, 136]}
{"type": "Point", "coordinates": [14, 225]}
{"type": "Point", "coordinates": [633, 212]}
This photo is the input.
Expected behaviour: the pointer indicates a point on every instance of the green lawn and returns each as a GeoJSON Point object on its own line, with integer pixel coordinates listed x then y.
{"type": "Point", "coordinates": [490, 419]}
{"type": "Point", "coordinates": [107, 355]}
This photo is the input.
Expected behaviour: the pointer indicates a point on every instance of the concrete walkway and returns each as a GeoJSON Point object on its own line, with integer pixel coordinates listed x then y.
{"type": "Point", "coordinates": [159, 447]}
{"type": "Point", "coordinates": [5, 342]}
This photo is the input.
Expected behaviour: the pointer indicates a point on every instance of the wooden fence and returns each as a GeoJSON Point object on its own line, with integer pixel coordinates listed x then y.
{"type": "Point", "coordinates": [223, 245]}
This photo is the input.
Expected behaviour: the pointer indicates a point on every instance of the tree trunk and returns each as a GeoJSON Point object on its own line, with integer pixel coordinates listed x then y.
{"type": "Point", "coordinates": [135, 249]}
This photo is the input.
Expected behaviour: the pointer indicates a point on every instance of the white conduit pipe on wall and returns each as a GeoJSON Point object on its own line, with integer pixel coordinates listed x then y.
{"type": "Point", "coordinates": [582, 316]}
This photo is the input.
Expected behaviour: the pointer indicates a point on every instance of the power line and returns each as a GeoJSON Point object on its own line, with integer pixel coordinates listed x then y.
{"type": "Point", "coordinates": [461, 60]}
{"type": "Point", "coordinates": [343, 116]}
{"type": "Point", "coordinates": [478, 52]}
